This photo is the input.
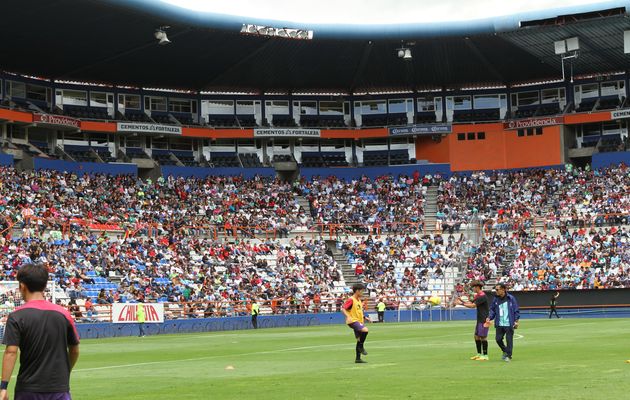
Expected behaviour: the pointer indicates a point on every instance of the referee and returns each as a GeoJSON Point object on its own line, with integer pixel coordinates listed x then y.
{"type": "Point", "coordinates": [46, 338]}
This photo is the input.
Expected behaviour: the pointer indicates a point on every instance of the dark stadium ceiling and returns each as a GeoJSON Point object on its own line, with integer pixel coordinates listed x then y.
{"type": "Point", "coordinates": [111, 42]}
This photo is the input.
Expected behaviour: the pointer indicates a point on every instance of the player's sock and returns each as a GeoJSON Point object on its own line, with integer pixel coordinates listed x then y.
{"type": "Point", "coordinates": [484, 345]}
{"type": "Point", "coordinates": [358, 351]}
{"type": "Point", "coordinates": [361, 341]}
{"type": "Point", "coordinates": [478, 344]}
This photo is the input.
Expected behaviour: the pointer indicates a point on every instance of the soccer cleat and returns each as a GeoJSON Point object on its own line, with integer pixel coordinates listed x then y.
{"type": "Point", "coordinates": [483, 358]}
{"type": "Point", "coordinates": [359, 361]}
{"type": "Point", "coordinates": [365, 353]}
{"type": "Point", "coordinates": [475, 357]}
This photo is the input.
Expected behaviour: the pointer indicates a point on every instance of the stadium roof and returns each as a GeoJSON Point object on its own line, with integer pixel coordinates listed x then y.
{"type": "Point", "coordinates": [111, 41]}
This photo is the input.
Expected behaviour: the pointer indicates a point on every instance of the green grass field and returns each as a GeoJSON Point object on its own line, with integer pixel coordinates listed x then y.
{"type": "Point", "coordinates": [553, 359]}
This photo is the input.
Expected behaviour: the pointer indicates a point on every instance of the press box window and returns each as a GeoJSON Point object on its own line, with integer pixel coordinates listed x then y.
{"type": "Point", "coordinates": [539, 131]}
{"type": "Point", "coordinates": [471, 135]}
{"type": "Point", "coordinates": [481, 135]}
{"type": "Point", "coordinates": [461, 136]}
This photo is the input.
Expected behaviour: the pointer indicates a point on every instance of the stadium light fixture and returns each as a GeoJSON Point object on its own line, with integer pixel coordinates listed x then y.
{"type": "Point", "coordinates": [160, 35]}
{"type": "Point", "coordinates": [567, 49]}
{"type": "Point", "coordinates": [287, 33]}
{"type": "Point", "coordinates": [404, 53]}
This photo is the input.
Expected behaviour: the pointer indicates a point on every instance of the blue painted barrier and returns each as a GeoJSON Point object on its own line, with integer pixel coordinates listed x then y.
{"type": "Point", "coordinates": [80, 168]}
{"type": "Point", "coordinates": [203, 172]}
{"type": "Point", "coordinates": [6, 160]}
{"type": "Point", "coordinates": [200, 325]}
{"type": "Point", "coordinates": [374, 172]}
{"type": "Point", "coordinates": [605, 160]}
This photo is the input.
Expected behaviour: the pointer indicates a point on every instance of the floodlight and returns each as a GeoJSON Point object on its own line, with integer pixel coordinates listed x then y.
{"type": "Point", "coordinates": [560, 46]}
{"type": "Point", "coordinates": [573, 44]}
{"type": "Point", "coordinates": [407, 55]}
{"type": "Point", "coordinates": [160, 35]}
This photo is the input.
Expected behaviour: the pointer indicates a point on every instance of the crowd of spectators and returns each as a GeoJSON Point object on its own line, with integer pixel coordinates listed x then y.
{"type": "Point", "coordinates": [399, 266]}
{"type": "Point", "coordinates": [385, 203]}
{"type": "Point", "coordinates": [295, 275]}
{"type": "Point", "coordinates": [597, 258]}
{"type": "Point", "coordinates": [45, 200]}
{"type": "Point", "coordinates": [557, 197]}
{"type": "Point", "coordinates": [165, 252]}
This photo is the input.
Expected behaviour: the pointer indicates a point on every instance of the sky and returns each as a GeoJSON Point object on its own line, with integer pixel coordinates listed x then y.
{"type": "Point", "coordinates": [373, 11]}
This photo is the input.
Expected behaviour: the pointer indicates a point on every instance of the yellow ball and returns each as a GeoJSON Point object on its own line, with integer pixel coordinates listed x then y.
{"type": "Point", "coordinates": [435, 300]}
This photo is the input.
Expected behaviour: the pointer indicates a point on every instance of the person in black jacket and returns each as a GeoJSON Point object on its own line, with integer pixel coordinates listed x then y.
{"type": "Point", "coordinates": [552, 305]}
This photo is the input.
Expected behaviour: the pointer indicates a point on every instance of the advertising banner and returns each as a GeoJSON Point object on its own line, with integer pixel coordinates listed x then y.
{"type": "Point", "coordinates": [148, 128]}
{"type": "Point", "coordinates": [620, 114]}
{"type": "Point", "coordinates": [533, 122]}
{"type": "Point", "coordinates": [60, 120]}
{"type": "Point", "coordinates": [125, 313]}
{"type": "Point", "coordinates": [286, 132]}
{"type": "Point", "coordinates": [425, 129]}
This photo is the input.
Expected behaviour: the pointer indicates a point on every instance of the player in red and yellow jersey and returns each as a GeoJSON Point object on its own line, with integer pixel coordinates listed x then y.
{"type": "Point", "coordinates": [353, 311]}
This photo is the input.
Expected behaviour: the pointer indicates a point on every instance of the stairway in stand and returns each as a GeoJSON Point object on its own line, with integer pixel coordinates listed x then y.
{"type": "Point", "coordinates": [346, 269]}
{"type": "Point", "coordinates": [430, 208]}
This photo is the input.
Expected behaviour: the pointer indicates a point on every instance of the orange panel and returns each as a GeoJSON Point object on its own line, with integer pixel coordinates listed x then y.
{"type": "Point", "coordinates": [504, 149]}
{"type": "Point", "coordinates": [583, 118]}
{"type": "Point", "coordinates": [217, 133]}
{"type": "Point", "coordinates": [92, 126]}
{"type": "Point", "coordinates": [354, 133]}
{"type": "Point", "coordinates": [18, 116]}
{"type": "Point", "coordinates": [469, 155]}
{"type": "Point", "coordinates": [533, 151]}
{"type": "Point", "coordinates": [435, 152]}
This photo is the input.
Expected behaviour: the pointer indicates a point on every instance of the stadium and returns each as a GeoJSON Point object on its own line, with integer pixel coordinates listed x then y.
{"type": "Point", "coordinates": [215, 192]}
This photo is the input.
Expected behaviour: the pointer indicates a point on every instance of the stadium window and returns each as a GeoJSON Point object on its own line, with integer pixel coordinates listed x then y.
{"type": "Point", "coordinates": [307, 107]}
{"type": "Point", "coordinates": [612, 88]}
{"type": "Point", "coordinates": [180, 105]}
{"type": "Point", "coordinates": [155, 103]}
{"type": "Point", "coordinates": [527, 98]}
{"type": "Point", "coordinates": [520, 133]}
{"type": "Point", "coordinates": [588, 90]}
{"type": "Point", "coordinates": [330, 108]}
{"type": "Point", "coordinates": [130, 101]}
{"type": "Point", "coordinates": [471, 136]}
{"type": "Point", "coordinates": [74, 97]}
{"type": "Point", "coordinates": [481, 135]}
{"type": "Point", "coordinates": [17, 89]}
{"type": "Point", "coordinates": [222, 107]}
{"type": "Point", "coordinates": [426, 104]}
{"type": "Point", "coordinates": [397, 106]}
{"type": "Point", "coordinates": [461, 136]}
{"type": "Point", "coordinates": [555, 95]}
{"type": "Point", "coordinates": [530, 131]}
{"type": "Point", "coordinates": [98, 99]}
{"type": "Point", "coordinates": [38, 93]}
{"type": "Point", "coordinates": [539, 130]}
{"type": "Point", "coordinates": [373, 107]}
{"type": "Point", "coordinates": [462, 103]}
{"type": "Point", "coordinates": [277, 107]}
{"type": "Point", "coordinates": [245, 107]}
{"type": "Point", "coordinates": [486, 101]}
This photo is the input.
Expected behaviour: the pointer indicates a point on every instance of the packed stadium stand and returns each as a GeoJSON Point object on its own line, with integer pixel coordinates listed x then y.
{"type": "Point", "coordinates": [213, 181]}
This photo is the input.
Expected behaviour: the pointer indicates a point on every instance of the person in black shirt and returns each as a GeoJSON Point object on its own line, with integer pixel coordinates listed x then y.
{"type": "Point", "coordinates": [47, 340]}
{"type": "Point", "coordinates": [552, 305]}
{"type": "Point", "coordinates": [480, 302]}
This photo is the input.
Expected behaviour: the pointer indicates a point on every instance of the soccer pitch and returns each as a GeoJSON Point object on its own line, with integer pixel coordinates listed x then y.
{"type": "Point", "coordinates": [553, 359]}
